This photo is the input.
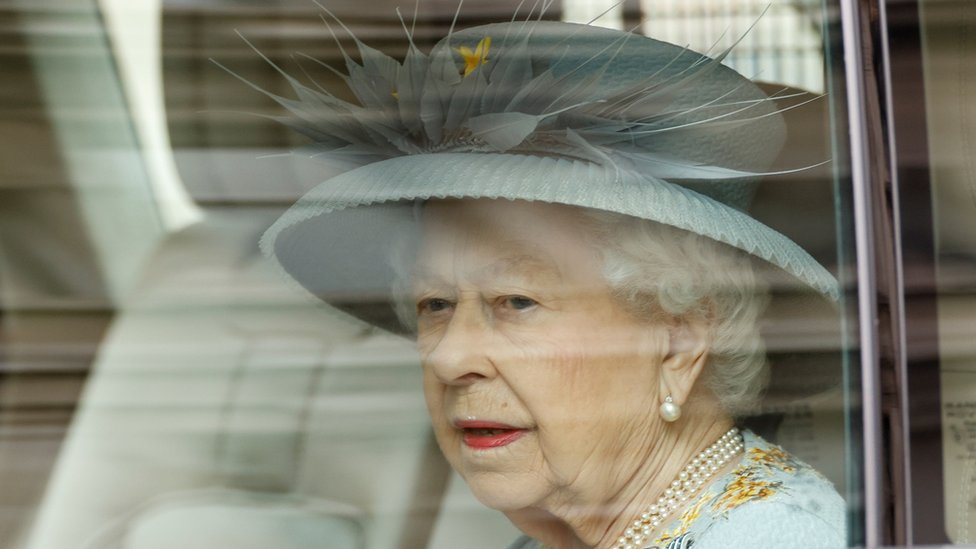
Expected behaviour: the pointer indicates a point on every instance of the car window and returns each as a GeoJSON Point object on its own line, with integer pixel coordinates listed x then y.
{"type": "Point", "coordinates": [164, 384]}
{"type": "Point", "coordinates": [949, 397]}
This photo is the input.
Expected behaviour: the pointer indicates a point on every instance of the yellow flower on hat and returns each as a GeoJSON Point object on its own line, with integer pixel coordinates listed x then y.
{"type": "Point", "coordinates": [476, 57]}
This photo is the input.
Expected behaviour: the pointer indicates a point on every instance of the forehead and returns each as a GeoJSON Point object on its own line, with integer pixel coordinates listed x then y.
{"type": "Point", "coordinates": [497, 237]}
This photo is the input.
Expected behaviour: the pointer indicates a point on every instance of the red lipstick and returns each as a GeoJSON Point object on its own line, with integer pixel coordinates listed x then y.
{"type": "Point", "coordinates": [482, 435]}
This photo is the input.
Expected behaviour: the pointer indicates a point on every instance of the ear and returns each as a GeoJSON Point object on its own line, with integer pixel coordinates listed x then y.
{"type": "Point", "coordinates": [688, 350]}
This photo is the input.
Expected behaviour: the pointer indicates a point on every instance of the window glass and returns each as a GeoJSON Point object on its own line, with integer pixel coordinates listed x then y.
{"type": "Point", "coordinates": [166, 384]}
{"type": "Point", "coordinates": [949, 88]}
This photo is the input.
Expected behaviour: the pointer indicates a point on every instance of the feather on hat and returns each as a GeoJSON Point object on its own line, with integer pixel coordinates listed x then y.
{"type": "Point", "coordinates": [528, 110]}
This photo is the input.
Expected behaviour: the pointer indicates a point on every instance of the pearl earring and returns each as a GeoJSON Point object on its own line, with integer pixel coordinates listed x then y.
{"type": "Point", "coordinates": [670, 411]}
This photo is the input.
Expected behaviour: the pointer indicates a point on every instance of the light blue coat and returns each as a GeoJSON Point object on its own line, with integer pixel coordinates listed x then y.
{"type": "Point", "coordinates": [770, 501]}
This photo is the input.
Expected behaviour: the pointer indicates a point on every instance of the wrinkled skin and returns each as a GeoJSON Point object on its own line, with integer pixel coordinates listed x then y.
{"type": "Point", "coordinates": [516, 325]}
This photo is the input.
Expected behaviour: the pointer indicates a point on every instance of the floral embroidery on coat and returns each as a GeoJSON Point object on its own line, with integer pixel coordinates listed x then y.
{"type": "Point", "coordinates": [761, 474]}
{"type": "Point", "coordinates": [767, 501]}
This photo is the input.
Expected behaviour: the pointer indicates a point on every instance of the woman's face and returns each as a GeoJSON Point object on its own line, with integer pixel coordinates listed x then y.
{"type": "Point", "coordinates": [542, 388]}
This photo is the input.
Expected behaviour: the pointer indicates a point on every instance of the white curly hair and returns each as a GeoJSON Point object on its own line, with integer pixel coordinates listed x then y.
{"type": "Point", "coordinates": [667, 275]}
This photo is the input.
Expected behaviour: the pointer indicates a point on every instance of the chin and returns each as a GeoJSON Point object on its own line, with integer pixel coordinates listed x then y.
{"type": "Point", "coordinates": [505, 493]}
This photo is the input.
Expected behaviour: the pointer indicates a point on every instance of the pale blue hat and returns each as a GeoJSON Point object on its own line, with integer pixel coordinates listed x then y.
{"type": "Point", "coordinates": [537, 110]}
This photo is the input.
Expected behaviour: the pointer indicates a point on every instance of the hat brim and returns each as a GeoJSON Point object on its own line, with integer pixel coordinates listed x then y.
{"type": "Point", "coordinates": [336, 241]}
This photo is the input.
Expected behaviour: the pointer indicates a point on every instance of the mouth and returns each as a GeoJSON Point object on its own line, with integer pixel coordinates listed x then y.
{"type": "Point", "coordinates": [483, 435]}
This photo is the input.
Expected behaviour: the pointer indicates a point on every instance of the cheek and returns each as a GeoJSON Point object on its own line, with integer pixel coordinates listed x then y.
{"type": "Point", "coordinates": [447, 437]}
{"type": "Point", "coordinates": [589, 362]}
{"type": "Point", "coordinates": [563, 388]}
{"type": "Point", "coordinates": [434, 396]}
{"type": "Point", "coordinates": [588, 383]}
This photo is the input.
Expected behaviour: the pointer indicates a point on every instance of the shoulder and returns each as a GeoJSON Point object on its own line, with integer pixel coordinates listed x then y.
{"type": "Point", "coordinates": [775, 500]}
{"type": "Point", "coordinates": [773, 525]}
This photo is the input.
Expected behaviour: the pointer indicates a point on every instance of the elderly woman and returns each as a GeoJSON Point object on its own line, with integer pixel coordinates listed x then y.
{"type": "Point", "coordinates": [559, 210]}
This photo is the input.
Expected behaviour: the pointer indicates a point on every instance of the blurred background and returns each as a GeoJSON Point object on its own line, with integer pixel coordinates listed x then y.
{"type": "Point", "coordinates": [161, 386]}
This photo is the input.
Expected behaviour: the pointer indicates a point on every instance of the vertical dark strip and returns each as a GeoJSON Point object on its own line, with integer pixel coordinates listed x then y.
{"type": "Point", "coordinates": [911, 163]}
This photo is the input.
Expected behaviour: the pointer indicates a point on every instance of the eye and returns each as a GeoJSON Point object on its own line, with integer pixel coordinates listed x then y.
{"type": "Point", "coordinates": [433, 305]}
{"type": "Point", "coordinates": [519, 302]}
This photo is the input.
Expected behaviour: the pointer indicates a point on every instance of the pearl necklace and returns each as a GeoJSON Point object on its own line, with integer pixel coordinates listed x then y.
{"type": "Point", "coordinates": [690, 479]}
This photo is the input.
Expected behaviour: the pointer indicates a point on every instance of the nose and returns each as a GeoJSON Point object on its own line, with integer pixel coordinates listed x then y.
{"type": "Point", "coordinates": [460, 353]}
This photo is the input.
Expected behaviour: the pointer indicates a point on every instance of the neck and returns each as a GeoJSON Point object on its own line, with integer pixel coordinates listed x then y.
{"type": "Point", "coordinates": [583, 520]}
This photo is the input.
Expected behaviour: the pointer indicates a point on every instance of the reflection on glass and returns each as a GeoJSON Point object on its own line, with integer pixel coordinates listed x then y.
{"type": "Point", "coordinates": [785, 45]}
{"type": "Point", "coordinates": [638, 256]}
{"type": "Point", "coordinates": [949, 87]}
